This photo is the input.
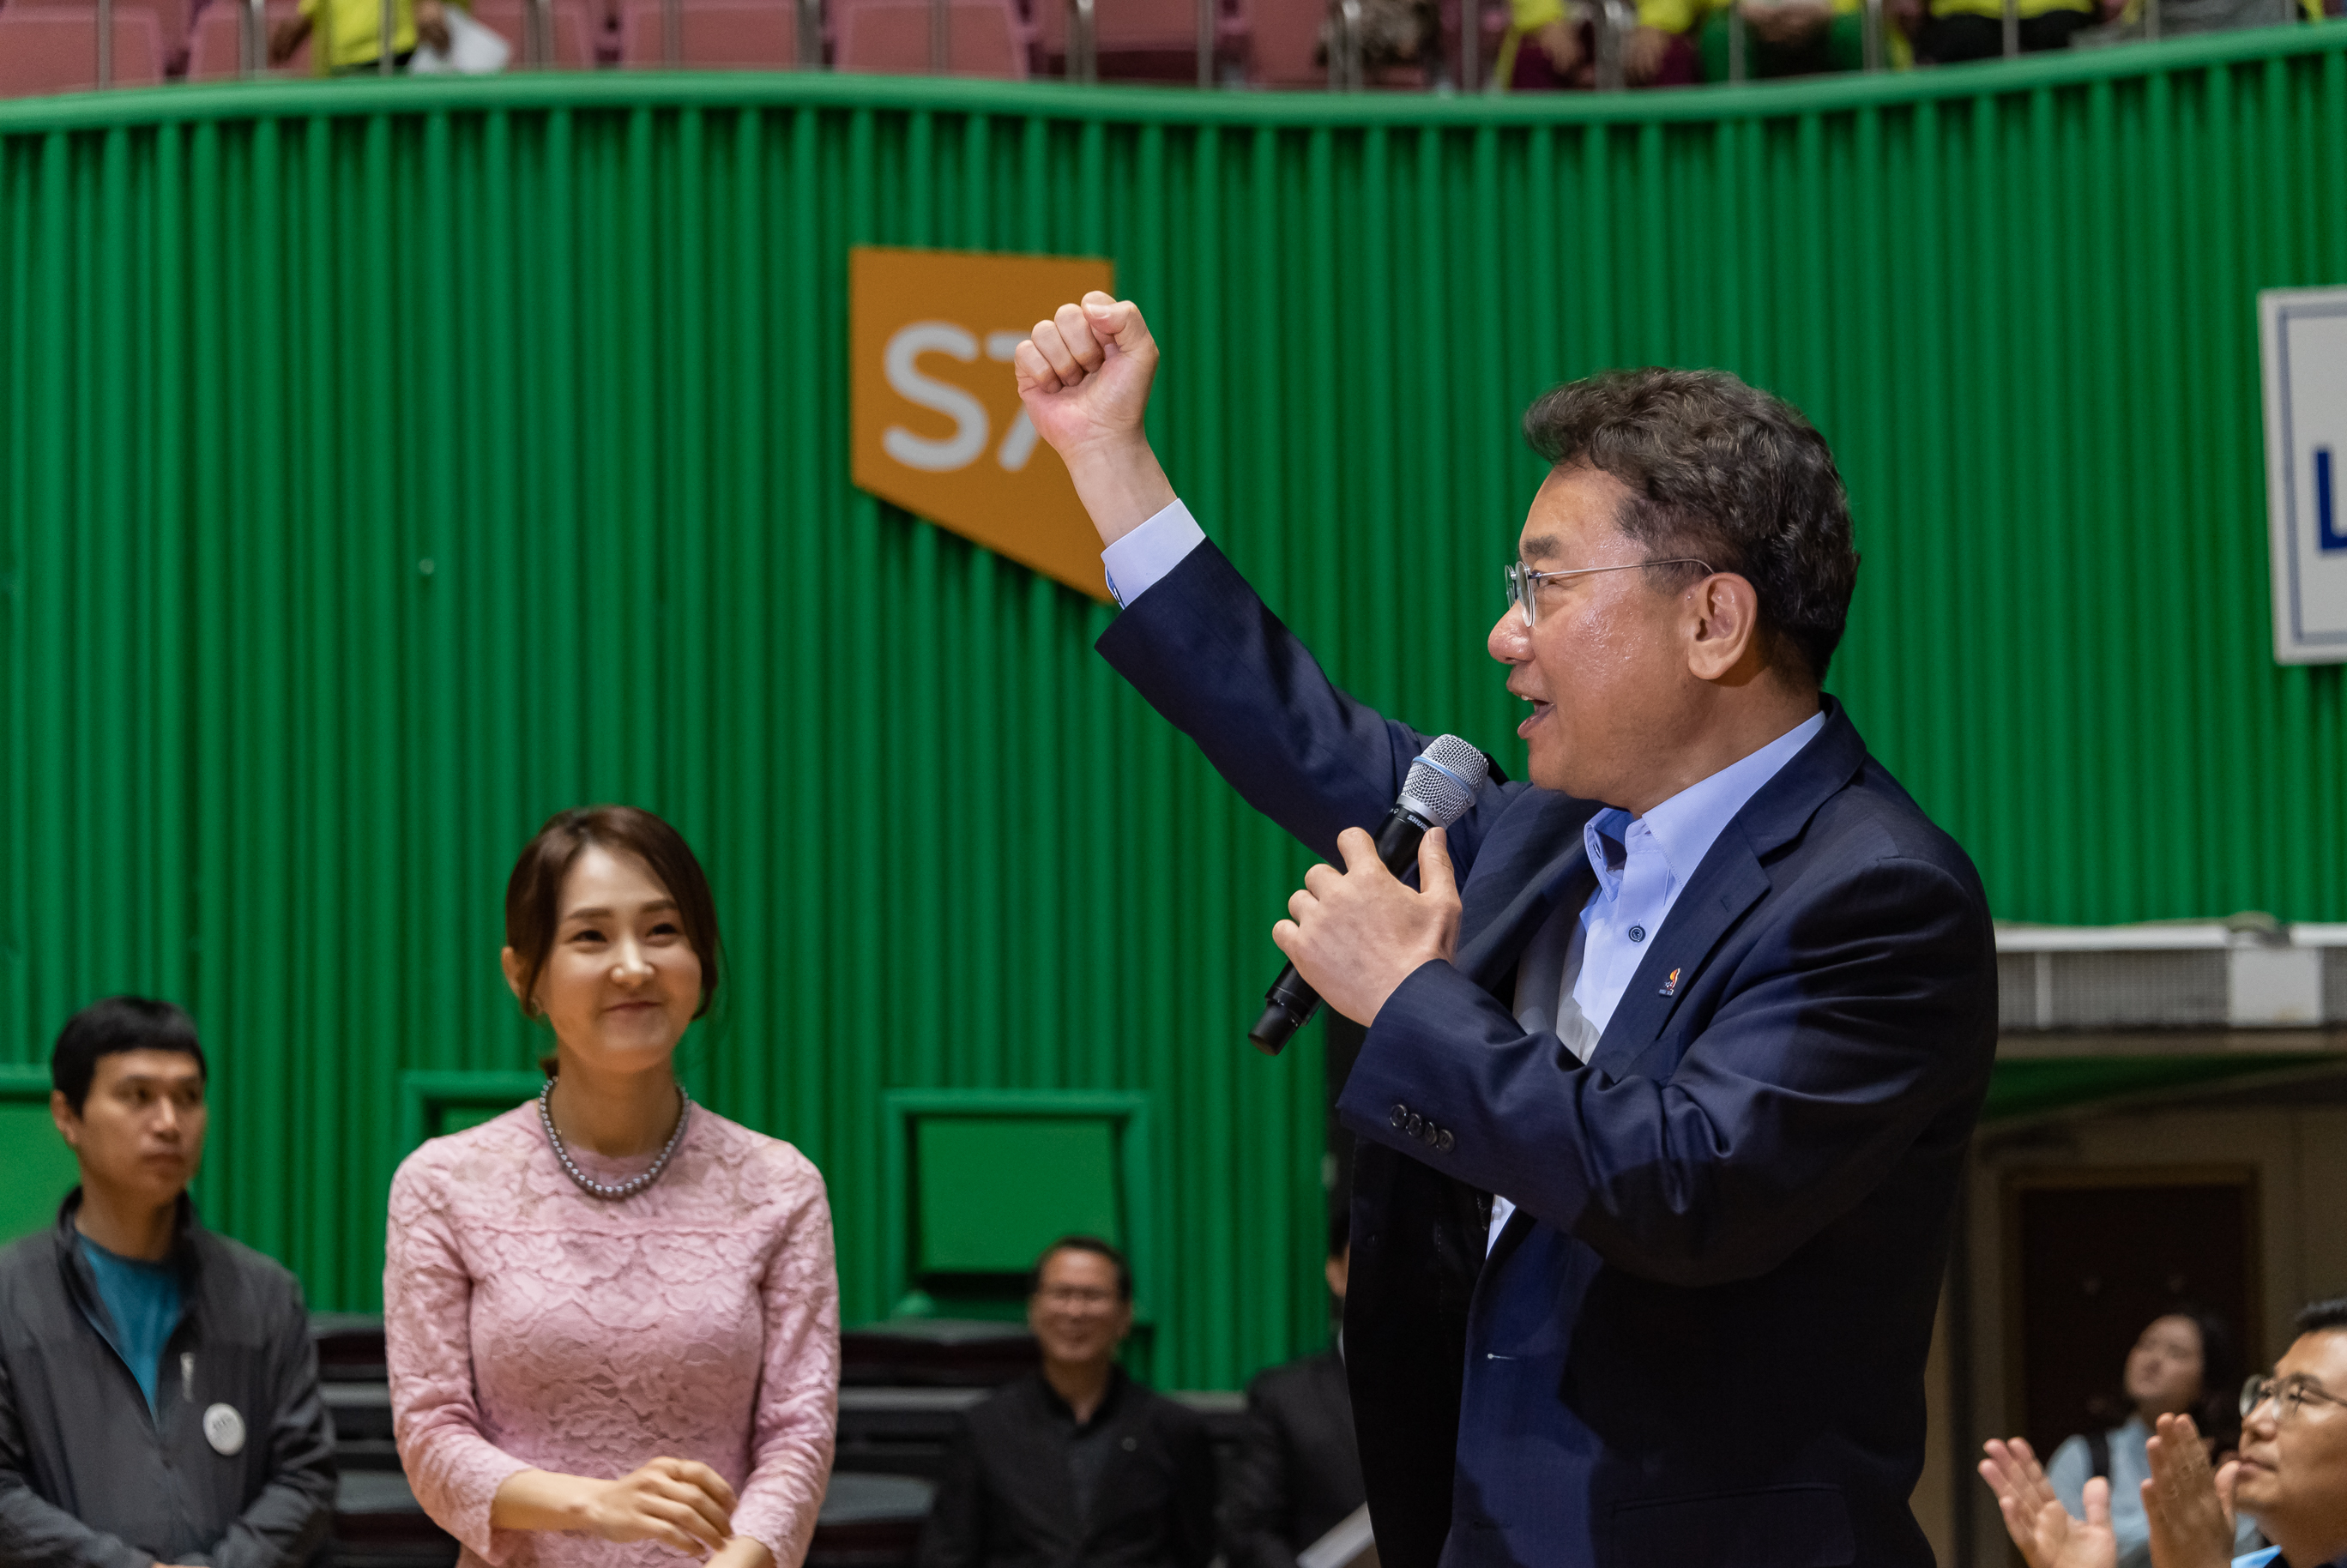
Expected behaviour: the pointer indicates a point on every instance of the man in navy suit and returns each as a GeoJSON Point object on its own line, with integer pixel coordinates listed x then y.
{"type": "Point", "coordinates": [1671, 1053]}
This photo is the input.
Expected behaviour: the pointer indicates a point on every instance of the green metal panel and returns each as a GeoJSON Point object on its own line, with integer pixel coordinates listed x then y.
{"type": "Point", "coordinates": [36, 1168]}
{"type": "Point", "coordinates": [994, 1193]}
{"type": "Point", "coordinates": [385, 466]}
{"type": "Point", "coordinates": [1006, 1219]}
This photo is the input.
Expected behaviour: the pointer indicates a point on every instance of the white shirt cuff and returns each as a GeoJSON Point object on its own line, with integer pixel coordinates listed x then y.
{"type": "Point", "coordinates": [1135, 562]}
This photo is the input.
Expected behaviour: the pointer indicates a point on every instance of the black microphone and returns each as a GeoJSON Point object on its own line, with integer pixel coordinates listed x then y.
{"type": "Point", "coordinates": [1436, 792]}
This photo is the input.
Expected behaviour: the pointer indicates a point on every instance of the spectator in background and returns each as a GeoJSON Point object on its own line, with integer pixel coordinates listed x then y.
{"type": "Point", "coordinates": [1076, 1463]}
{"type": "Point", "coordinates": [158, 1389]}
{"type": "Point", "coordinates": [1786, 38]}
{"type": "Point", "coordinates": [612, 1315]}
{"type": "Point", "coordinates": [1394, 36]}
{"type": "Point", "coordinates": [1553, 45]}
{"type": "Point", "coordinates": [1947, 32]}
{"type": "Point", "coordinates": [1300, 1468]}
{"type": "Point", "coordinates": [2291, 1477]}
{"type": "Point", "coordinates": [2183, 1363]}
{"type": "Point", "coordinates": [350, 32]}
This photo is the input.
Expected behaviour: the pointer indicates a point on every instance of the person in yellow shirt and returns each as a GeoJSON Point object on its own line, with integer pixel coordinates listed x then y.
{"type": "Point", "coordinates": [1551, 44]}
{"type": "Point", "coordinates": [350, 33]}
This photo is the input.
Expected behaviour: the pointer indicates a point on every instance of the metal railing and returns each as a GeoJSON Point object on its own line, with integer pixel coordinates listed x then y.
{"type": "Point", "coordinates": [1345, 46]}
{"type": "Point", "coordinates": [1083, 42]}
{"type": "Point", "coordinates": [1611, 23]}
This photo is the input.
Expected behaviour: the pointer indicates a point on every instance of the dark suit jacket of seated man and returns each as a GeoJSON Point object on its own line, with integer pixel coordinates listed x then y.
{"type": "Point", "coordinates": [1699, 1333]}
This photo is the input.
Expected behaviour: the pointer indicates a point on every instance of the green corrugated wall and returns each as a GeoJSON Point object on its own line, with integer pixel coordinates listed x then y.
{"type": "Point", "coordinates": [385, 466]}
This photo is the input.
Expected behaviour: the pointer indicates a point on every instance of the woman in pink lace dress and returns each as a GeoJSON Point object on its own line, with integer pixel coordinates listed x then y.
{"type": "Point", "coordinates": [613, 1315]}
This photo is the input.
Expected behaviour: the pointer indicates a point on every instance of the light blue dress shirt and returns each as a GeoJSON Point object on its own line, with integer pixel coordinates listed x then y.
{"type": "Point", "coordinates": [1135, 562]}
{"type": "Point", "coordinates": [1576, 966]}
{"type": "Point", "coordinates": [1573, 972]}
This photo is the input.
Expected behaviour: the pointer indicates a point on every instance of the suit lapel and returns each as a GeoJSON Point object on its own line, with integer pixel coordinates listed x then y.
{"type": "Point", "coordinates": [1534, 858]}
{"type": "Point", "coordinates": [1730, 880]}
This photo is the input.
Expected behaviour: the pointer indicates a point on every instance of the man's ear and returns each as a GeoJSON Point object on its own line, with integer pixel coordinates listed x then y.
{"type": "Point", "coordinates": [68, 1124]}
{"type": "Point", "coordinates": [1724, 629]}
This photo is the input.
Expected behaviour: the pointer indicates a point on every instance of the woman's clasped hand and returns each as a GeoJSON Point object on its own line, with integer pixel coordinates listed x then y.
{"type": "Point", "coordinates": [2189, 1506]}
{"type": "Point", "coordinates": [678, 1503]}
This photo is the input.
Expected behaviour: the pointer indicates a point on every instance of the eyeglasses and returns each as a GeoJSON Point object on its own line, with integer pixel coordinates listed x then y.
{"type": "Point", "coordinates": [1523, 583]}
{"type": "Point", "coordinates": [1075, 1296]}
{"type": "Point", "coordinates": [2289, 1396]}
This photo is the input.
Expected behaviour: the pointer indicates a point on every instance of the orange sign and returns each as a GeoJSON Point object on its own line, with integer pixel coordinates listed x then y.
{"type": "Point", "coordinates": [938, 427]}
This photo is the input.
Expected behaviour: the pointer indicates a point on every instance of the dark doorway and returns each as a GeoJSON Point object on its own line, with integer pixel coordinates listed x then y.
{"type": "Point", "coordinates": [2097, 1255]}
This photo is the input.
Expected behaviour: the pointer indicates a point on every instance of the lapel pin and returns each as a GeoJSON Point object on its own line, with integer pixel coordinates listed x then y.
{"type": "Point", "coordinates": [1671, 985]}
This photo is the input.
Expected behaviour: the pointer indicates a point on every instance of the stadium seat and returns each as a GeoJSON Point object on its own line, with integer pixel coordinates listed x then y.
{"type": "Point", "coordinates": [752, 35]}
{"type": "Point", "coordinates": [577, 30]}
{"type": "Point", "coordinates": [215, 45]}
{"type": "Point", "coordinates": [983, 37]}
{"type": "Point", "coordinates": [1282, 42]}
{"type": "Point", "coordinates": [1154, 38]}
{"type": "Point", "coordinates": [51, 47]}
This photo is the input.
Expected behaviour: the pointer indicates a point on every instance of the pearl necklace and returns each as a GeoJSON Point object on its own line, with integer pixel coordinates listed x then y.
{"type": "Point", "coordinates": [633, 1184]}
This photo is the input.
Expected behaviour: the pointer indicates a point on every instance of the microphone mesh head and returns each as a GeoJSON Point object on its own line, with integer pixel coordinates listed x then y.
{"type": "Point", "coordinates": [1443, 779]}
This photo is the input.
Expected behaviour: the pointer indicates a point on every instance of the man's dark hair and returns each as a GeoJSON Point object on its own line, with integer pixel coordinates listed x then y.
{"type": "Point", "coordinates": [115, 1025]}
{"type": "Point", "coordinates": [1091, 1243]}
{"type": "Point", "coordinates": [1723, 472]}
{"type": "Point", "coordinates": [2324, 1316]}
{"type": "Point", "coordinates": [1340, 1229]}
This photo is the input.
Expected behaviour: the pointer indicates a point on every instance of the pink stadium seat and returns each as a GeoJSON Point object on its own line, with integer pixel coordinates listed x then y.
{"type": "Point", "coordinates": [1122, 27]}
{"type": "Point", "coordinates": [753, 34]}
{"type": "Point", "coordinates": [1156, 38]}
{"type": "Point", "coordinates": [1284, 42]}
{"type": "Point", "coordinates": [983, 38]}
{"type": "Point", "coordinates": [51, 47]}
{"type": "Point", "coordinates": [576, 30]}
{"type": "Point", "coordinates": [215, 47]}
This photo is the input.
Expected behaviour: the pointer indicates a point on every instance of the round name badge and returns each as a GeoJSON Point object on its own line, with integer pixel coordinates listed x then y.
{"type": "Point", "coordinates": [224, 1430]}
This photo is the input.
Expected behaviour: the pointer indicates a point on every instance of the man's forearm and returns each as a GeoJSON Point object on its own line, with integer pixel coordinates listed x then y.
{"type": "Point", "coordinates": [34, 1532]}
{"type": "Point", "coordinates": [1120, 484]}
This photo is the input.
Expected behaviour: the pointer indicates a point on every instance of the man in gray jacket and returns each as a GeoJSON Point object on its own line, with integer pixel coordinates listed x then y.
{"type": "Point", "coordinates": [158, 1389]}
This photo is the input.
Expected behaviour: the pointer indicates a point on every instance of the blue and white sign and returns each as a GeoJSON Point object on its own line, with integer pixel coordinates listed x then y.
{"type": "Point", "coordinates": [2304, 340]}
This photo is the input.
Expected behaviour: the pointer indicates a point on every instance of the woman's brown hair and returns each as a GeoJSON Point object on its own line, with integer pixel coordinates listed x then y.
{"type": "Point", "coordinates": [534, 891]}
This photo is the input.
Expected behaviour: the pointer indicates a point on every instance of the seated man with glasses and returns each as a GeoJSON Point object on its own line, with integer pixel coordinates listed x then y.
{"type": "Point", "coordinates": [2291, 1475]}
{"type": "Point", "coordinates": [1075, 1462]}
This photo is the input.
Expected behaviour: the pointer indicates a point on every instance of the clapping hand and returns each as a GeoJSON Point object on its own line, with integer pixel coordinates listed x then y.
{"type": "Point", "coordinates": [2040, 1526]}
{"type": "Point", "coordinates": [2189, 1508]}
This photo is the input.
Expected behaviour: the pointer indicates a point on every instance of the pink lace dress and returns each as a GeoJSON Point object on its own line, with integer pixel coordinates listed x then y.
{"type": "Point", "coordinates": [531, 1326]}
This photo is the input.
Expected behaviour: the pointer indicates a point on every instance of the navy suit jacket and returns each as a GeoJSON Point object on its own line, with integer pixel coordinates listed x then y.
{"type": "Point", "coordinates": [1700, 1339]}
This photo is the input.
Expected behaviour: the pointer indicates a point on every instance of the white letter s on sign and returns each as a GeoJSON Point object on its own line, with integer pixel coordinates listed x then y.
{"type": "Point", "coordinates": [968, 415]}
